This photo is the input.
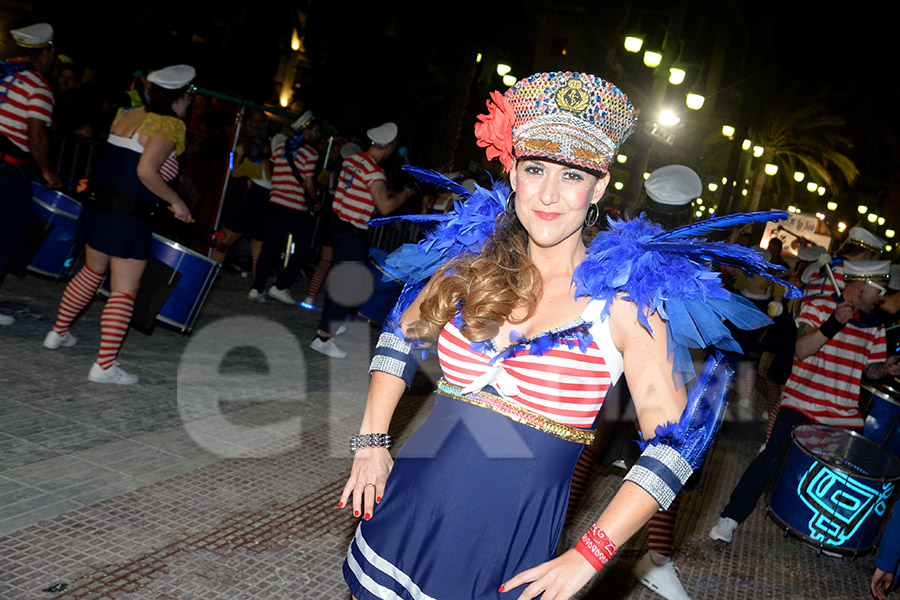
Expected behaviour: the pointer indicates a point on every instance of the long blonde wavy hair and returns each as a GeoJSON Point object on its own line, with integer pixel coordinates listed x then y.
{"type": "Point", "coordinates": [485, 287]}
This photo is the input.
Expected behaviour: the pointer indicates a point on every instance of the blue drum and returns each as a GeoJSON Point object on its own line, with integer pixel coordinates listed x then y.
{"type": "Point", "coordinates": [60, 213]}
{"type": "Point", "coordinates": [197, 274]}
{"type": "Point", "coordinates": [835, 489]}
{"type": "Point", "coordinates": [884, 417]}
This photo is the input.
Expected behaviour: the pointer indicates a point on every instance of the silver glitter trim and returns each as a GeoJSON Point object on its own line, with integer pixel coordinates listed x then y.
{"type": "Point", "coordinates": [390, 340]}
{"type": "Point", "coordinates": [387, 364]}
{"type": "Point", "coordinates": [651, 484]}
{"type": "Point", "coordinates": [670, 457]}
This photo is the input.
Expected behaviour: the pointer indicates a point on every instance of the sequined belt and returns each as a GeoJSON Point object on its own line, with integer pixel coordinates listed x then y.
{"type": "Point", "coordinates": [517, 413]}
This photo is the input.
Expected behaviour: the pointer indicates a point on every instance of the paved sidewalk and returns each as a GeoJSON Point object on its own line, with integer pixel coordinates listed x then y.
{"type": "Point", "coordinates": [218, 475]}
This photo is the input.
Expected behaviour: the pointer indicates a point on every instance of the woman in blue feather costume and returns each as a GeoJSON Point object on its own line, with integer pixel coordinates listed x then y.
{"type": "Point", "coordinates": [531, 329]}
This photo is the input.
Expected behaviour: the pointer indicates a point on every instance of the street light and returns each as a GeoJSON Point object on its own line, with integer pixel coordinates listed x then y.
{"type": "Point", "coordinates": [478, 57]}
{"type": "Point", "coordinates": [832, 206]}
{"type": "Point", "coordinates": [842, 226]}
{"type": "Point", "coordinates": [792, 209]}
{"type": "Point", "coordinates": [622, 158]}
{"type": "Point", "coordinates": [745, 145]}
{"type": "Point", "coordinates": [758, 151]}
{"type": "Point", "coordinates": [676, 76]}
{"type": "Point", "coordinates": [633, 44]}
{"type": "Point", "coordinates": [618, 185]}
{"type": "Point", "coordinates": [872, 217]}
{"type": "Point", "coordinates": [771, 169]}
{"type": "Point", "coordinates": [503, 69]}
{"type": "Point", "coordinates": [821, 190]}
{"type": "Point", "coordinates": [862, 209]}
{"type": "Point", "coordinates": [820, 216]}
{"type": "Point", "coordinates": [668, 118]}
{"type": "Point", "coordinates": [652, 59]}
{"type": "Point", "coordinates": [712, 186]}
{"type": "Point", "coordinates": [727, 130]}
{"type": "Point", "coordinates": [881, 220]}
{"type": "Point", "coordinates": [694, 101]}
{"type": "Point", "coordinates": [509, 80]}
{"type": "Point", "coordinates": [812, 186]}
{"type": "Point", "coordinates": [889, 233]}
{"type": "Point", "coordinates": [799, 176]}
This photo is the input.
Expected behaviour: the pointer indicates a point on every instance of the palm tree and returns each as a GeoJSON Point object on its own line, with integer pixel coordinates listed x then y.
{"type": "Point", "coordinates": [802, 131]}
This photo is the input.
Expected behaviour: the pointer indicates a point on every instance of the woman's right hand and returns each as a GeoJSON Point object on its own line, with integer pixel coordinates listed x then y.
{"type": "Point", "coordinates": [371, 467]}
{"type": "Point", "coordinates": [181, 211]}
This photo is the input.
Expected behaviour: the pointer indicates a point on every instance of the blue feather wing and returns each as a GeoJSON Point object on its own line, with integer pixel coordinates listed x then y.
{"type": "Point", "coordinates": [703, 227]}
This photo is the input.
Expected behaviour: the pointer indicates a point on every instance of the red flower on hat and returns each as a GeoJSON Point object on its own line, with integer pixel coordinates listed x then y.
{"type": "Point", "coordinates": [494, 132]}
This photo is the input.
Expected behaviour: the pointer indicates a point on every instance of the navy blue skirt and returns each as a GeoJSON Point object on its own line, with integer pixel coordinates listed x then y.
{"type": "Point", "coordinates": [116, 235]}
{"type": "Point", "coordinates": [473, 498]}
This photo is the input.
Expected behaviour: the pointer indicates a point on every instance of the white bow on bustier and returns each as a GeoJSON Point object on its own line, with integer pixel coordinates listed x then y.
{"type": "Point", "coordinates": [498, 378]}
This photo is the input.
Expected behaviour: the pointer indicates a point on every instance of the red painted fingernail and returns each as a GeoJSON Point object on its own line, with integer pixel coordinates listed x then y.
{"type": "Point", "coordinates": [355, 513]}
{"type": "Point", "coordinates": [341, 505]}
{"type": "Point", "coordinates": [368, 516]}
{"type": "Point", "coordinates": [502, 588]}
{"type": "Point", "coordinates": [378, 499]}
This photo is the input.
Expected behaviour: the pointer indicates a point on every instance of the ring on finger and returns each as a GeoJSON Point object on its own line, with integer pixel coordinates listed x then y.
{"type": "Point", "coordinates": [368, 484]}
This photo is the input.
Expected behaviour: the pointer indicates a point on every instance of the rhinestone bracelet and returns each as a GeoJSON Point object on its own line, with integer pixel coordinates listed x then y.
{"type": "Point", "coordinates": [370, 440]}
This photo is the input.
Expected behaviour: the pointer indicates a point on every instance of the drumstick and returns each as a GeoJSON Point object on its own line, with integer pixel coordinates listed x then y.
{"type": "Point", "coordinates": [216, 236]}
{"type": "Point", "coordinates": [833, 281]}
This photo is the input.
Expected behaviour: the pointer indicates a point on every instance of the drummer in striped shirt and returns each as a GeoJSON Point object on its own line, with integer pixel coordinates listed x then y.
{"type": "Point", "coordinates": [26, 110]}
{"type": "Point", "coordinates": [293, 192]}
{"type": "Point", "coordinates": [834, 351]}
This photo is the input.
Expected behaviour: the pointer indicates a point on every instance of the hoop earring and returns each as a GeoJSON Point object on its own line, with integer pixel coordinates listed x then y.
{"type": "Point", "coordinates": [511, 204]}
{"type": "Point", "coordinates": [593, 213]}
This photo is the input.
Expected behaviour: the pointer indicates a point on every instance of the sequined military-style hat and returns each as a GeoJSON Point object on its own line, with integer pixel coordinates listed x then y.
{"type": "Point", "coordinates": [867, 270]}
{"type": "Point", "coordinates": [573, 118]}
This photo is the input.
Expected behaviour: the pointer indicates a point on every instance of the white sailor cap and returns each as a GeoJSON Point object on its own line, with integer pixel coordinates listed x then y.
{"type": "Point", "coordinates": [810, 253]}
{"type": "Point", "coordinates": [303, 121]}
{"type": "Point", "coordinates": [867, 270]}
{"type": "Point", "coordinates": [277, 140]}
{"type": "Point", "coordinates": [673, 185]}
{"type": "Point", "coordinates": [894, 283]}
{"type": "Point", "coordinates": [349, 149]}
{"type": "Point", "coordinates": [383, 134]}
{"type": "Point", "coordinates": [865, 238]}
{"type": "Point", "coordinates": [39, 35]}
{"type": "Point", "coordinates": [174, 77]}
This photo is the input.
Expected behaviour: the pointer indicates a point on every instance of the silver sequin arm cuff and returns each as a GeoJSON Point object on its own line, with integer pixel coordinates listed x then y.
{"type": "Point", "coordinates": [662, 472]}
{"type": "Point", "coordinates": [395, 356]}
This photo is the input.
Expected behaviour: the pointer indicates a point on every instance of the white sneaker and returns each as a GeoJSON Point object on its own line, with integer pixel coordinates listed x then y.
{"type": "Point", "coordinates": [281, 295]}
{"type": "Point", "coordinates": [327, 347]}
{"type": "Point", "coordinates": [256, 296]}
{"type": "Point", "coordinates": [114, 374]}
{"type": "Point", "coordinates": [659, 574]}
{"type": "Point", "coordinates": [723, 530]}
{"type": "Point", "coordinates": [6, 319]}
{"type": "Point", "coordinates": [53, 340]}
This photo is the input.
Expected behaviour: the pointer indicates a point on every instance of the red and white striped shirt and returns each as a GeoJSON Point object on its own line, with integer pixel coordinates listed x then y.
{"type": "Point", "coordinates": [825, 386]}
{"type": "Point", "coordinates": [286, 190]}
{"type": "Point", "coordinates": [564, 384]}
{"type": "Point", "coordinates": [820, 283]}
{"type": "Point", "coordinates": [23, 95]}
{"type": "Point", "coordinates": [353, 200]}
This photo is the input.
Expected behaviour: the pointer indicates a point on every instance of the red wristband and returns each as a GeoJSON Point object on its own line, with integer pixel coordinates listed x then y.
{"type": "Point", "coordinates": [596, 547]}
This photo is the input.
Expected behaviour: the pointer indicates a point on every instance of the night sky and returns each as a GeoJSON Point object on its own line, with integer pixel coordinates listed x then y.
{"type": "Point", "coordinates": [402, 61]}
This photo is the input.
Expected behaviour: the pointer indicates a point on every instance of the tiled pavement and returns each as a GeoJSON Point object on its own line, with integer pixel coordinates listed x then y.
{"type": "Point", "coordinates": [218, 475]}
